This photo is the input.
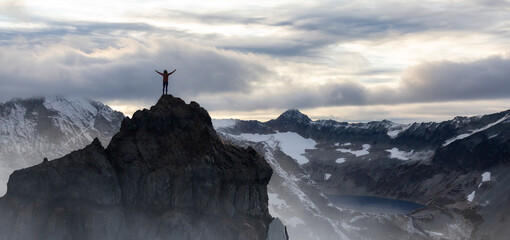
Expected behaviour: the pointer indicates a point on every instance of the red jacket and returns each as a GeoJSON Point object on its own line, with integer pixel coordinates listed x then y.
{"type": "Point", "coordinates": [165, 75]}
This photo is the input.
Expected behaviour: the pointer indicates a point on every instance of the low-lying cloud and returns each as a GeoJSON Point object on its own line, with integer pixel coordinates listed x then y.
{"type": "Point", "coordinates": [125, 69]}
{"type": "Point", "coordinates": [442, 81]}
{"type": "Point", "coordinates": [224, 79]}
{"type": "Point", "coordinates": [449, 81]}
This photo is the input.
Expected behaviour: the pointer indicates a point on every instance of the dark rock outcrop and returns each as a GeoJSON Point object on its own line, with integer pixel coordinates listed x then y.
{"type": "Point", "coordinates": [74, 197]}
{"type": "Point", "coordinates": [50, 127]}
{"type": "Point", "coordinates": [165, 175]}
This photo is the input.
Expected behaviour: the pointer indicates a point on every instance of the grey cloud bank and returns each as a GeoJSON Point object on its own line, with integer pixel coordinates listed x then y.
{"type": "Point", "coordinates": [124, 70]}
{"type": "Point", "coordinates": [425, 83]}
{"type": "Point", "coordinates": [442, 81]}
{"type": "Point", "coordinates": [232, 62]}
{"type": "Point", "coordinates": [227, 80]}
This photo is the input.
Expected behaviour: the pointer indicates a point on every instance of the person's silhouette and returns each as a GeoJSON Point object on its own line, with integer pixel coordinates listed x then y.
{"type": "Point", "coordinates": [165, 75]}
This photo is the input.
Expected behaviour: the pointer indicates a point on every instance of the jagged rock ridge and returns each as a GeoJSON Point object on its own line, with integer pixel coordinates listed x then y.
{"type": "Point", "coordinates": [165, 175]}
{"type": "Point", "coordinates": [35, 128]}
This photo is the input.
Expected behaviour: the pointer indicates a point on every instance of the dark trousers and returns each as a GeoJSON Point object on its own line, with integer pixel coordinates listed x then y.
{"type": "Point", "coordinates": [165, 86]}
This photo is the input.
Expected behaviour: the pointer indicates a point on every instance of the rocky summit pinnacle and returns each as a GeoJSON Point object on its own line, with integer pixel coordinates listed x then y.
{"type": "Point", "coordinates": [291, 120]}
{"type": "Point", "coordinates": [294, 115]}
{"type": "Point", "coordinates": [165, 175]}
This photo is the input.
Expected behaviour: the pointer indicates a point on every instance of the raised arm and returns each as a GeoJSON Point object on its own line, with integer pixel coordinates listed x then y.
{"type": "Point", "coordinates": [159, 72]}
{"type": "Point", "coordinates": [172, 72]}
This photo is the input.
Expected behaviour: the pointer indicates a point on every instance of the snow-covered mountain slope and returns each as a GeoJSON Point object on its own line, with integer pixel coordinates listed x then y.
{"type": "Point", "coordinates": [307, 213]}
{"type": "Point", "coordinates": [50, 127]}
{"type": "Point", "coordinates": [352, 150]}
{"type": "Point", "coordinates": [440, 165]}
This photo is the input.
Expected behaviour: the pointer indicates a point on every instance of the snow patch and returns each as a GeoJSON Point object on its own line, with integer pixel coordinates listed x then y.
{"type": "Point", "coordinates": [290, 143]}
{"type": "Point", "coordinates": [465, 135]}
{"type": "Point", "coordinates": [486, 176]}
{"type": "Point", "coordinates": [401, 155]}
{"type": "Point", "coordinates": [493, 136]}
{"type": "Point", "coordinates": [357, 153]}
{"type": "Point", "coordinates": [340, 160]}
{"type": "Point", "coordinates": [327, 176]}
{"type": "Point", "coordinates": [435, 234]}
{"type": "Point", "coordinates": [471, 196]}
{"type": "Point", "coordinates": [343, 144]}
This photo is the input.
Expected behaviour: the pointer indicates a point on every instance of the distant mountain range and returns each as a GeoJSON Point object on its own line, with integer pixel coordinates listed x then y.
{"type": "Point", "coordinates": [457, 168]}
{"type": "Point", "coordinates": [50, 127]}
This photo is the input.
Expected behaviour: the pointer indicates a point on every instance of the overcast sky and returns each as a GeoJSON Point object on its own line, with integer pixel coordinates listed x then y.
{"type": "Point", "coordinates": [346, 60]}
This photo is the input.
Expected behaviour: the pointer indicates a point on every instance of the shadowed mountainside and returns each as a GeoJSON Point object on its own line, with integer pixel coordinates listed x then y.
{"type": "Point", "coordinates": [165, 175]}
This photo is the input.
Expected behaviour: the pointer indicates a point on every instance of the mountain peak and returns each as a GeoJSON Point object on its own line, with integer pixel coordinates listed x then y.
{"type": "Point", "coordinates": [176, 108]}
{"type": "Point", "coordinates": [172, 119]}
{"type": "Point", "coordinates": [165, 174]}
{"type": "Point", "coordinates": [49, 127]}
{"type": "Point", "coordinates": [296, 115]}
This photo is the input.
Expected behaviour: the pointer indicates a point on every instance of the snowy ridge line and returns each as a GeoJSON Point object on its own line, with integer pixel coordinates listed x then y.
{"type": "Point", "coordinates": [465, 135]}
{"type": "Point", "coordinates": [395, 129]}
{"type": "Point", "coordinates": [392, 128]}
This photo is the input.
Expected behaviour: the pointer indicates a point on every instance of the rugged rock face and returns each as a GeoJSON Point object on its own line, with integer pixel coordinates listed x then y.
{"type": "Point", "coordinates": [50, 127]}
{"type": "Point", "coordinates": [165, 175]}
{"type": "Point", "coordinates": [74, 197]}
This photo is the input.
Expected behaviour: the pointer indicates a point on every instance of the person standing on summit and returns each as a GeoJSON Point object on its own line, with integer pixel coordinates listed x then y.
{"type": "Point", "coordinates": [165, 75]}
